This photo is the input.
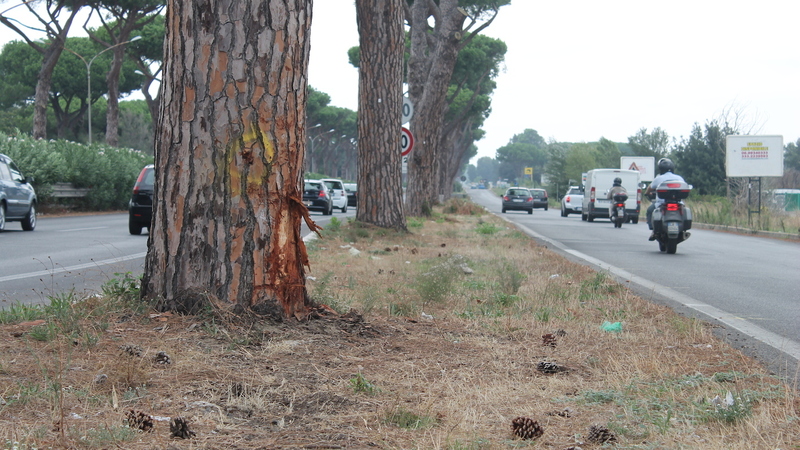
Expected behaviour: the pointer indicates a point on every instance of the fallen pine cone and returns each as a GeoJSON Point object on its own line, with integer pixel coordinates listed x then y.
{"type": "Point", "coordinates": [526, 428]}
{"type": "Point", "coordinates": [548, 340]}
{"type": "Point", "coordinates": [139, 420]}
{"type": "Point", "coordinates": [599, 434]}
{"type": "Point", "coordinates": [162, 358]}
{"type": "Point", "coordinates": [179, 428]}
{"type": "Point", "coordinates": [549, 367]}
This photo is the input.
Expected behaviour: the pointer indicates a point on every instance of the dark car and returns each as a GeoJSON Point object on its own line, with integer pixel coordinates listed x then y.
{"type": "Point", "coordinates": [140, 208]}
{"type": "Point", "coordinates": [518, 199]}
{"type": "Point", "coordinates": [317, 197]}
{"type": "Point", "coordinates": [352, 194]}
{"type": "Point", "coordinates": [539, 198]}
{"type": "Point", "coordinates": [17, 196]}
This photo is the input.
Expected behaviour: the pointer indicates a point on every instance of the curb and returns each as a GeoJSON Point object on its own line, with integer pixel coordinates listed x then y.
{"type": "Point", "coordinates": [747, 231]}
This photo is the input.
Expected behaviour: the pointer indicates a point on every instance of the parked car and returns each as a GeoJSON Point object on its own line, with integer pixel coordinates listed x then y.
{"type": "Point", "coordinates": [140, 207]}
{"type": "Point", "coordinates": [572, 201]}
{"type": "Point", "coordinates": [317, 197]}
{"type": "Point", "coordinates": [338, 194]}
{"type": "Point", "coordinates": [518, 199]}
{"type": "Point", "coordinates": [17, 197]}
{"type": "Point", "coordinates": [352, 194]}
{"type": "Point", "coordinates": [539, 198]}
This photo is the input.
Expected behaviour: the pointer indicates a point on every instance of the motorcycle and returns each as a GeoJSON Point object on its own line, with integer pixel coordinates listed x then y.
{"type": "Point", "coordinates": [618, 215]}
{"type": "Point", "coordinates": [673, 219]}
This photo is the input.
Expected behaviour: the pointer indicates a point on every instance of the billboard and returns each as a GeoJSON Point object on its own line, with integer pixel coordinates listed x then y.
{"type": "Point", "coordinates": [754, 156]}
{"type": "Point", "coordinates": [646, 165]}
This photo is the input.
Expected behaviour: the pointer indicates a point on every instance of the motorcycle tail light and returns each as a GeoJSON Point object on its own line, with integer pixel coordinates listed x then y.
{"type": "Point", "coordinates": [673, 207]}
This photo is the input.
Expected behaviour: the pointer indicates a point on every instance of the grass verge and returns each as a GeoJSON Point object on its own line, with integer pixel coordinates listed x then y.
{"type": "Point", "coordinates": [446, 335]}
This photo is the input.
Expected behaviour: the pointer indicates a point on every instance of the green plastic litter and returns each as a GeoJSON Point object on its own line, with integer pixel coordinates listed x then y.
{"type": "Point", "coordinates": [615, 327]}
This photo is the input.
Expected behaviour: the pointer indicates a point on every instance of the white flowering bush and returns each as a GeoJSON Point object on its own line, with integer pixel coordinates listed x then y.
{"type": "Point", "coordinates": [108, 172]}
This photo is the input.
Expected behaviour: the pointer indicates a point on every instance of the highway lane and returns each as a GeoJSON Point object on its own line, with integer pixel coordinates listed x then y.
{"type": "Point", "coordinates": [76, 254]}
{"type": "Point", "coordinates": [750, 285]}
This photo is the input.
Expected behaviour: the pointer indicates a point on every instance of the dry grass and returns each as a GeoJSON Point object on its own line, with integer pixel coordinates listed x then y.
{"type": "Point", "coordinates": [432, 358]}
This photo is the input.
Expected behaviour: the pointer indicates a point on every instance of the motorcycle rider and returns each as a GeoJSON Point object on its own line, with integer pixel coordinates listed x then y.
{"type": "Point", "coordinates": [617, 188]}
{"type": "Point", "coordinates": [666, 172]}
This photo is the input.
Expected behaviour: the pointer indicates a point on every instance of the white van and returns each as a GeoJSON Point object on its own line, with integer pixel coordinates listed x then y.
{"type": "Point", "coordinates": [599, 182]}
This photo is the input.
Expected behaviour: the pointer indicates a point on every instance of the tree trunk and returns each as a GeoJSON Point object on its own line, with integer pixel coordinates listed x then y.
{"type": "Point", "coordinates": [430, 68]}
{"type": "Point", "coordinates": [455, 144]}
{"type": "Point", "coordinates": [112, 81]}
{"type": "Point", "coordinates": [380, 104]}
{"type": "Point", "coordinates": [229, 151]}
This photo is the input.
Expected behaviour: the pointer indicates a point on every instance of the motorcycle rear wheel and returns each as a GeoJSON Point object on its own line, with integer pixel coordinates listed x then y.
{"type": "Point", "coordinates": [672, 246]}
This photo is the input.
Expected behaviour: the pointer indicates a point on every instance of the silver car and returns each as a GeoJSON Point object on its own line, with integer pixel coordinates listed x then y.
{"type": "Point", "coordinates": [17, 196]}
{"type": "Point", "coordinates": [572, 201]}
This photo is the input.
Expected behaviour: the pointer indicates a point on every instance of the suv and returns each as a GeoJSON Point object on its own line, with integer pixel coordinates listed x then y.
{"type": "Point", "coordinates": [572, 201]}
{"type": "Point", "coordinates": [17, 196]}
{"type": "Point", "coordinates": [518, 198]}
{"type": "Point", "coordinates": [539, 198]}
{"type": "Point", "coordinates": [338, 194]}
{"type": "Point", "coordinates": [317, 197]}
{"type": "Point", "coordinates": [140, 208]}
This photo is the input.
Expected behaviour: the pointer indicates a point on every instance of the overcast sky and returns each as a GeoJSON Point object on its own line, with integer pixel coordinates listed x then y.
{"type": "Point", "coordinates": [578, 70]}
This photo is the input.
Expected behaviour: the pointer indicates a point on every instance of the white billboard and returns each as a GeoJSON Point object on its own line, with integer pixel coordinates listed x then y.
{"type": "Point", "coordinates": [646, 165]}
{"type": "Point", "coordinates": [754, 156]}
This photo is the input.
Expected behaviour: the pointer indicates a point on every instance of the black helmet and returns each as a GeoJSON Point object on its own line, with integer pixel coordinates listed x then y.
{"type": "Point", "coordinates": [618, 181]}
{"type": "Point", "coordinates": [665, 165]}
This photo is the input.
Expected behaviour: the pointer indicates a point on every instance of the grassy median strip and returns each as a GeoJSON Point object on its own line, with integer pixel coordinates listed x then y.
{"type": "Point", "coordinates": [461, 334]}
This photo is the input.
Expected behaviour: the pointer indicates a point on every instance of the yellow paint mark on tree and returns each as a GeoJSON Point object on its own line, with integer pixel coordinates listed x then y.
{"type": "Point", "coordinates": [251, 153]}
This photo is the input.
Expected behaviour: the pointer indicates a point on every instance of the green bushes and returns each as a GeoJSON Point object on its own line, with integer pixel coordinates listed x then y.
{"type": "Point", "coordinates": [109, 172]}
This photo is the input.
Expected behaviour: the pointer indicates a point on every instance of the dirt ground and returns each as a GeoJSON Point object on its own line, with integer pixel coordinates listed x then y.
{"type": "Point", "coordinates": [392, 363]}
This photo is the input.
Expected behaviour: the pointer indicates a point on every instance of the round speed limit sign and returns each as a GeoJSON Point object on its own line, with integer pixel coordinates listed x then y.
{"type": "Point", "coordinates": [406, 142]}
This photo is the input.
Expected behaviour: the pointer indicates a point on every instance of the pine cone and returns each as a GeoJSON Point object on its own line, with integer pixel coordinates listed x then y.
{"type": "Point", "coordinates": [526, 428]}
{"type": "Point", "coordinates": [179, 428]}
{"type": "Point", "coordinates": [600, 435]}
{"type": "Point", "coordinates": [139, 420]}
{"type": "Point", "coordinates": [162, 358]}
{"type": "Point", "coordinates": [131, 350]}
{"type": "Point", "coordinates": [548, 340]}
{"type": "Point", "coordinates": [549, 367]}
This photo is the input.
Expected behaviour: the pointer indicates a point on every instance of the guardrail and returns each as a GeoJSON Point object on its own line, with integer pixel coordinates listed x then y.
{"type": "Point", "coordinates": [68, 190]}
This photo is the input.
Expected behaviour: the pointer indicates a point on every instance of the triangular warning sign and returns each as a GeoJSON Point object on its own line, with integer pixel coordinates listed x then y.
{"type": "Point", "coordinates": [634, 167]}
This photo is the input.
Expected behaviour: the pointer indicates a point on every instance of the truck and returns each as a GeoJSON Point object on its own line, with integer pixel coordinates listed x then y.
{"type": "Point", "coordinates": [599, 182]}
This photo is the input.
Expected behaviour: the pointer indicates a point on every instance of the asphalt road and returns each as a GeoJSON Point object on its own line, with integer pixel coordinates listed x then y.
{"type": "Point", "coordinates": [750, 285]}
{"type": "Point", "coordinates": [76, 255]}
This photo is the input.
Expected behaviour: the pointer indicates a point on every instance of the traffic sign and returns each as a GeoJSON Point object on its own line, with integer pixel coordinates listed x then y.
{"type": "Point", "coordinates": [406, 142]}
{"type": "Point", "coordinates": [408, 110]}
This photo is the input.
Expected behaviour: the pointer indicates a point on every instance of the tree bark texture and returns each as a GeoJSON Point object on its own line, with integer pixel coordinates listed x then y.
{"type": "Point", "coordinates": [112, 111]}
{"type": "Point", "coordinates": [229, 153]}
{"type": "Point", "coordinates": [455, 143]}
{"type": "Point", "coordinates": [430, 67]}
{"type": "Point", "coordinates": [380, 94]}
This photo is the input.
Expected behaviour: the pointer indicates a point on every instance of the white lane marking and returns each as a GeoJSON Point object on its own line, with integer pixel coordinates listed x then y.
{"type": "Point", "coordinates": [776, 341]}
{"type": "Point", "coordinates": [81, 229]}
{"type": "Point", "coordinates": [57, 270]}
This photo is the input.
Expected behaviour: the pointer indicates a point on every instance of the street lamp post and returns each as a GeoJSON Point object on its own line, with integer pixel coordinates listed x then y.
{"type": "Point", "coordinates": [89, 77]}
{"type": "Point", "coordinates": [311, 160]}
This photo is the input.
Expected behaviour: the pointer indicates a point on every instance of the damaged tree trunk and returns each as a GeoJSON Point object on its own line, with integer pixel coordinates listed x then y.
{"type": "Point", "coordinates": [229, 152]}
